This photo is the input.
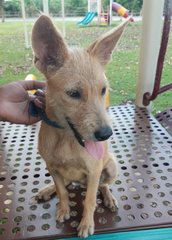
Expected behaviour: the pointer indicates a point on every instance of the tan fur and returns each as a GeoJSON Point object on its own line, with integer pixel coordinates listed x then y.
{"type": "Point", "coordinates": [65, 70]}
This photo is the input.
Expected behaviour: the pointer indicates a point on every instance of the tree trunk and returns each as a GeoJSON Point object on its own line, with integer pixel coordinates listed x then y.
{"type": "Point", "coordinates": [2, 13]}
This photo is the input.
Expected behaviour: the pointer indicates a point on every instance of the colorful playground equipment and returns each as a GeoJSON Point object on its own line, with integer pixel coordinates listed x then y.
{"type": "Point", "coordinates": [122, 11]}
{"type": "Point", "coordinates": [88, 18]}
{"type": "Point", "coordinates": [104, 17]}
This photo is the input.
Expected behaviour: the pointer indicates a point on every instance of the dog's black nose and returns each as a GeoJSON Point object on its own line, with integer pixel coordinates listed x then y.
{"type": "Point", "coordinates": [103, 133]}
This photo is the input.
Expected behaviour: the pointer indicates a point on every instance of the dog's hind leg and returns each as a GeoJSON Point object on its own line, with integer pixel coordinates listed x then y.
{"type": "Point", "coordinates": [108, 176]}
{"type": "Point", "coordinates": [45, 193]}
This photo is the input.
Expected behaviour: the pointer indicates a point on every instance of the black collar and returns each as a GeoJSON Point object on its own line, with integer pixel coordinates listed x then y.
{"type": "Point", "coordinates": [36, 111]}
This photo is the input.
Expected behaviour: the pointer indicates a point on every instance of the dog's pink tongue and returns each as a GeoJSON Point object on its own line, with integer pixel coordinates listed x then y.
{"type": "Point", "coordinates": [95, 149]}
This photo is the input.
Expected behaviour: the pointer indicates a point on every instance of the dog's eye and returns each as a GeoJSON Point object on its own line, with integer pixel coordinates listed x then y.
{"type": "Point", "coordinates": [74, 94]}
{"type": "Point", "coordinates": [103, 91]}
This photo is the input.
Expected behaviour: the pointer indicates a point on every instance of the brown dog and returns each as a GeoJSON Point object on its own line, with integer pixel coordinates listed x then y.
{"type": "Point", "coordinates": [76, 86]}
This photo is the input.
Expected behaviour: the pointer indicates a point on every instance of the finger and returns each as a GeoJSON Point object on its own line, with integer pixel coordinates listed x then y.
{"type": "Point", "coordinates": [33, 120]}
{"type": "Point", "coordinates": [32, 97]}
{"type": "Point", "coordinates": [32, 84]}
{"type": "Point", "coordinates": [39, 103]}
{"type": "Point", "coordinates": [41, 99]}
{"type": "Point", "coordinates": [37, 99]}
{"type": "Point", "coordinates": [40, 92]}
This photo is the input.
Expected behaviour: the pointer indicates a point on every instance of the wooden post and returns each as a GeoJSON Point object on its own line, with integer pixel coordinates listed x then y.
{"type": "Point", "coordinates": [26, 35]}
{"type": "Point", "coordinates": [63, 17]}
{"type": "Point", "coordinates": [99, 6]}
{"type": "Point", "coordinates": [45, 7]}
{"type": "Point", "coordinates": [110, 12]}
{"type": "Point", "coordinates": [89, 6]}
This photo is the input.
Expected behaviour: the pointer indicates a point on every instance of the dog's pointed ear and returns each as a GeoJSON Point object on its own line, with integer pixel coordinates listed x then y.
{"type": "Point", "coordinates": [48, 45]}
{"type": "Point", "coordinates": [104, 46]}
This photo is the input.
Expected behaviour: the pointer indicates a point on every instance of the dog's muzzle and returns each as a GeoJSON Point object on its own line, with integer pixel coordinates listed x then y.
{"type": "Point", "coordinates": [94, 148]}
{"type": "Point", "coordinates": [103, 133]}
{"type": "Point", "coordinates": [76, 133]}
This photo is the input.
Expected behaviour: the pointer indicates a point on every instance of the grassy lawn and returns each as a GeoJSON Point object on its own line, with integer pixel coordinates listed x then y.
{"type": "Point", "coordinates": [16, 60]}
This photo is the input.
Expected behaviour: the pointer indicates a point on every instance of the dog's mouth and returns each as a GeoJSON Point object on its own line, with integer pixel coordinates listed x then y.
{"type": "Point", "coordinates": [76, 133]}
{"type": "Point", "coordinates": [94, 148]}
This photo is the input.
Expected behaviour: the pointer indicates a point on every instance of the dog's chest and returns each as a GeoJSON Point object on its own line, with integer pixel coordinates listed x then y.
{"type": "Point", "coordinates": [64, 156]}
{"type": "Point", "coordinates": [70, 169]}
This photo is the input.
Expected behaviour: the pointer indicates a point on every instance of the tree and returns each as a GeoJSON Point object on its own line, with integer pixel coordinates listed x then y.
{"type": "Point", "coordinates": [2, 10]}
{"type": "Point", "coordinates": [72, 7]}
{"type": "Point", "coordinates": [54, 7]}
{"type": "Point", "coordinates": [33, 6]}
{"type": "Point", "coordinates": [12, 6]}
{"type": "Point", "coordinates": [75, 7]}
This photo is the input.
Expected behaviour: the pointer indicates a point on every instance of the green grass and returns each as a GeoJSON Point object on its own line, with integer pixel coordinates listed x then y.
{"type": "Point", "coordinates": [122, 72]}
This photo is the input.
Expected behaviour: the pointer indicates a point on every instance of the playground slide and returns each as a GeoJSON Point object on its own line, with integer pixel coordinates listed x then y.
{"type": "Point", "coordinates": [88, 18]}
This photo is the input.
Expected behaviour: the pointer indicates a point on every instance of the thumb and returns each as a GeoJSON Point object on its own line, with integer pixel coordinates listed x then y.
{"type": "Point", "coordinates": [32, 84]}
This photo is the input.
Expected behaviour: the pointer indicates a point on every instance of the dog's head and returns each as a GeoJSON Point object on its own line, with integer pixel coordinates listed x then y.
{"type": "Point", "coordinates": [76, 83]}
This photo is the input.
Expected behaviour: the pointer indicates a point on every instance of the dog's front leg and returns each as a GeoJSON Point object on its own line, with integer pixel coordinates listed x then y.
{"type": "Point", "coordinates": [86, 226]}
{"type": "Point", "coordinates": [63, 209]}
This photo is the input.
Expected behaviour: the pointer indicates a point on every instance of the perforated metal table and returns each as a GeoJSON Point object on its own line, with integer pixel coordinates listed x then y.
{"type": "Point", "coordinates": [143, 149]}
{"type": "Point", "coordinates": [165, 118]}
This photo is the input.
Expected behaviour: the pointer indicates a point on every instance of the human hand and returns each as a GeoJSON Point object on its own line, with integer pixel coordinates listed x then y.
{"type": "Point", "coordinates": [14, 101]}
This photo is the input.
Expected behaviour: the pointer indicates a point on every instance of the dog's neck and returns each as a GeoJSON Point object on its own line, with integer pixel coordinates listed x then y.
{"type": "Point", "coordinates": [48, 121]}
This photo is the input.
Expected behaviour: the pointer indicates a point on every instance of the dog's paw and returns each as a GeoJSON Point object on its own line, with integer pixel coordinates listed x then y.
{"type": "Point", "coordinates": [44, 194]}
{"type": "Point", "coordinates": [41, 197]}
{"type": "Point", "coordinates": [111, 203]}
{"type": "Point", "coordinates": [63, 213]}
{"type": "Point", "coordinates": [85, 228]}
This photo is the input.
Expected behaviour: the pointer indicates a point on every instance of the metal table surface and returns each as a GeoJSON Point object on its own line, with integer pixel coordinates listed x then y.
{"type": "Point", "coordinates": [143, 189]}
